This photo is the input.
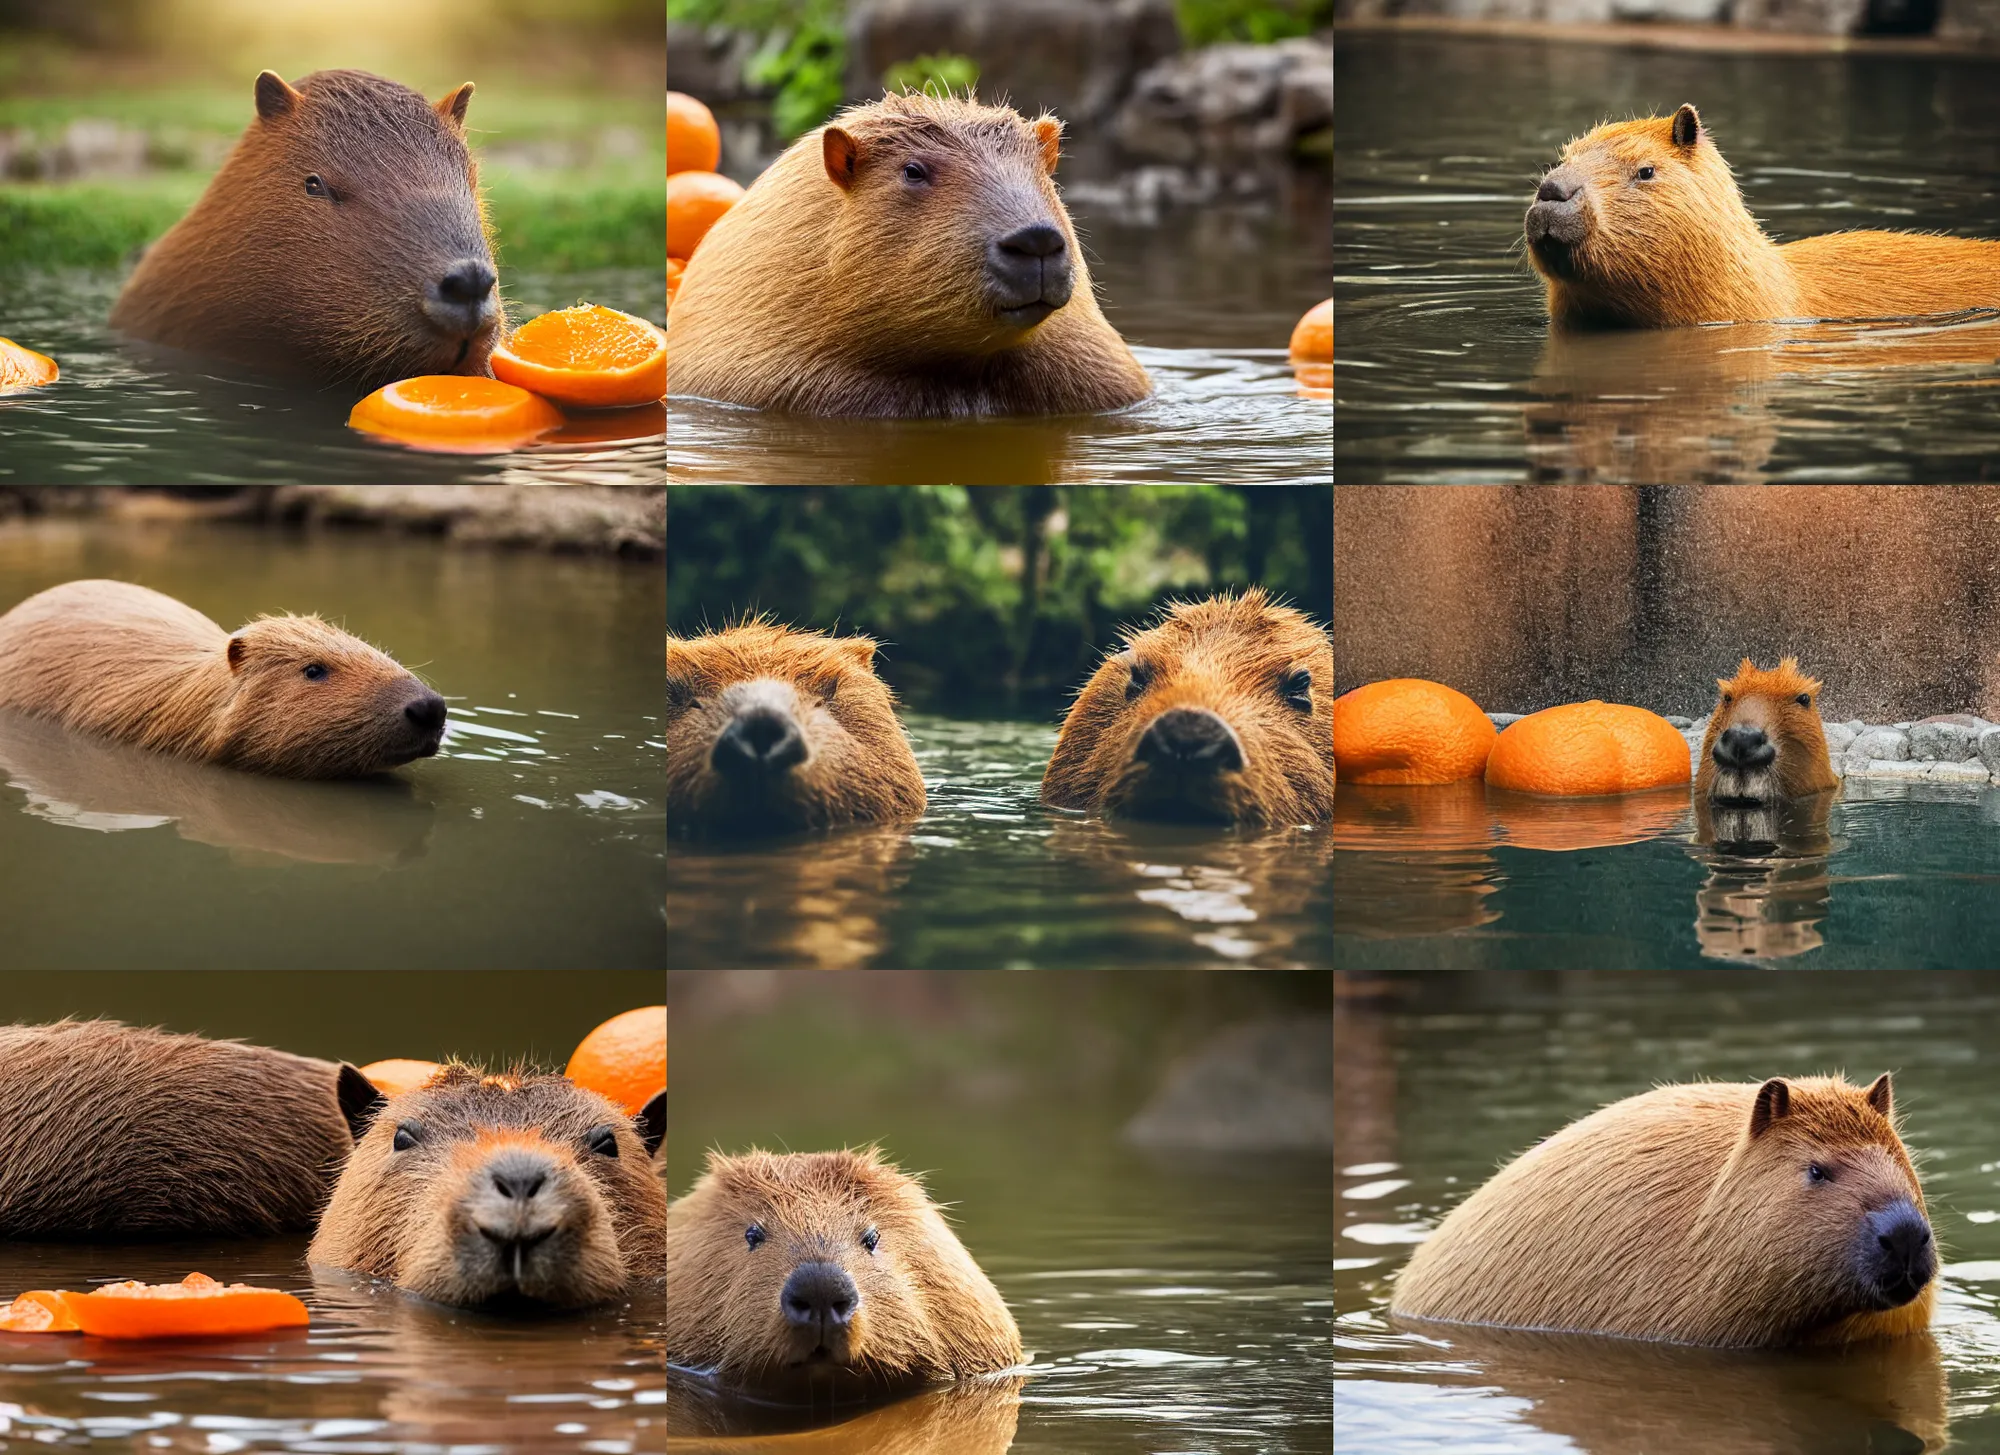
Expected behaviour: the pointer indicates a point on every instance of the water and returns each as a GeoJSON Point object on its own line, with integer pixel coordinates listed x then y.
{"type": "Point", "coordinates": [1446, 368]}
{"type": "Point", "coordinates": [121, 415]}
{"type": "Point", "coordinates": [532, 839]}
{"type": "Point", "coordinates": [1169, 1301]}
{"type": "Point", "coordinates": [1441, 1079]}
{"type": "Point", "coordinates": [1207, 300]}
{"type": "Point", "coordinates": [989, 877]}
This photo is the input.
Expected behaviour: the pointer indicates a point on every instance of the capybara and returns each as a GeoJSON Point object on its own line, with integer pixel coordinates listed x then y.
{"type": "Point", "coordinates": [909, 258]}
{"type": "Point", "coordinates": [1640, 225]}
{"type": "Point", "coordinates": [1222, 711]}
{"type": "Point", "coordinates": [1764, 739]}
{"type": "Point", "coordinates": [771, 729]}
{"type": "Point", "coordinates": [811, 1275]}
{"type": "Point", "coordinates": [1721, 1213]}
{"type": "Point", "coordinates": [288, 695]}
{"type": "Point", "coordinates": [343, 239]}
{"type": "Point", "coordinates": [109, 1131]}
{"type": "Point", "coordinates": [497, 1190]}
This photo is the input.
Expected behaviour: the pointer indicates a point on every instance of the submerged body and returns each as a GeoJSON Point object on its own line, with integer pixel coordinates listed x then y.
{"type": "Point", "coordinates": [1641, 225]}
{"type": "Point", "coordinates": [1765, 743]}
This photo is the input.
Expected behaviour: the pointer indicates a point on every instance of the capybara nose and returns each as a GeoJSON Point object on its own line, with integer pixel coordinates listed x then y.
{"type": "Point", "coordinates": [819, 1295]}
{"type": "Point", "coordinates": [1190, 740]}
{"type": "Point", "coordinates": [1559, 186]}
{"type": "Point", "coordinates": [1743, 748]}
{"type": "Point", "coordinates": [1905, 1255]}
{"type": "Point", "coordinates": [517, 1174]}
{"type": "Point", "coordinates": [759, 742]}
{"type": "Point", "coordinates": [426, 713]}
{"type": "Point", "coordinates": [467, 282]}
{"type": "Point", "coordinates": [1032, 267]}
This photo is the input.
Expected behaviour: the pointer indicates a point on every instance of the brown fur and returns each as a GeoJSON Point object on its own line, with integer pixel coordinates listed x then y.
{"type": "Point", "coordinates": [336, 287]}
{"type": "Point", "coordinates": [1229, 655]}
{"type": "Point", "coordinates": [926, 1312]}
{"type": "Point", "coordinates": [858, 768]}
{"type": "Point", "coordinates": [1681, 248]}
{"type": "Point", "coordinates": [426, 1216]}
{"type": "Point", "coordinates": [1682, 1214]}
{"type": "Point", "coordinates": [112, 1131]}
{"type": "Point", "coordinates": [138, 667]}
{"type": "Point", "coordinates": [1769, 701]}
{"type": "Point", "coordinates": [870, 298]}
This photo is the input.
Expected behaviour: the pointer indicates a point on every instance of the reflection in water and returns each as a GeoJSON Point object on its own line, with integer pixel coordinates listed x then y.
{"type": "Point", "coordinates": [977, 1417]}
{"type": "Point", "coordinates": [1768, 886]}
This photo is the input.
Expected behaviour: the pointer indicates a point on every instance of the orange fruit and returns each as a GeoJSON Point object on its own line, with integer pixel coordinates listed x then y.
{"type": "Point", "coordinates": [196, 1305]}
{"type": "Point", "coordinates": [592, 357]}
{"type": "Point", "coordinates": [24, 368]}
{"type": "Point", "coordinates": [625, 1058]}
{"type": "Point", "coordinates": [398, 1074]}
{"type": "Point", "coordinates": [1315, 381]}
{"type": "Point", "coordinates": [695, 201]}
{"type": "Point", "coordinates": [1589, 748]}
{"type": "Point", "coordinates": [1312, 339]}
{"type": "Point", "coordinates": [462, 412]}
{"type": "Point", "coordinates": [42, 1311]}
{"type": "Point", "coordinates": [1407, 730]}
{"type": "Point", "coordinates": [675, 267]}
{"type": "Point", "coordinates": [694, 141]}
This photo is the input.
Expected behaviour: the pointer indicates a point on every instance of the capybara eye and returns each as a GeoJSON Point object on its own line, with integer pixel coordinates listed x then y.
{"type": "Point", "coordinates": [315, 671]}
{"type": "Point", "coordinates": [1817, 1173]}
{"type": "Point", "coordinates": [408, 1134]}
{"type": "Point", "coordinates": [1804, 699]}
{"type": "Point", "coordinates": [869, 1239]}
{"type": "Point", "coordinates": [753, 1235]}
{"type": "Point", "coordinates": [603, 1141]}
{"type": "Point", "coordinates": [1297, 688]}
{"type": "Point", "coordinates": [916, 173]}
{"type": "Point", "coordinates": [1645, 174]}
{"type": "Point", "coordinates": [1728, 697]}
{"type": "Point", "coordinates": [314, 186]}
{"type": "Point", "coordinates": [1142, 677]}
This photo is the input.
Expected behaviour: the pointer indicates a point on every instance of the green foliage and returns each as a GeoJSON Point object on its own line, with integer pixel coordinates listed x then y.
{"type": "Point", "coordinates": [1206, 22]}
{"type": "Point", "coordinates": [803, 55]}
{"type": "Point", "coordinates": [942, 73]}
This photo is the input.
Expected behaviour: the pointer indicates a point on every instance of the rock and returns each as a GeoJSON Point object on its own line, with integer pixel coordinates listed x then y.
{"type": "Point", "coordinates": [1680, 724]}
{"type": "Point", "coordinates": [1229, 102]}
{"type": "Point", "coordinates": [1502, 719]}
{"type": "Point", "coordinates": [1989, 750]}
{"type": "Point", "coordinates": [1838, 737]}
{"type": "Point", "coordinates": [1685, 12]}
{"type": "Point", "coordinates": [1889, 770]}
{"type": "Point", "coordinates": [621, 520]}
{"type": "Point", "coordinates": [706, 61]}
{"type": "Point", "coordinates": [1264, 1085]}
{"type": "Point", "coordinates": [1879, 743]}
{"type": "Point", "coordinates": [1941, 740]}
{"type": "Point", "coordinates": [1962, 20]}
{"type": "Point", "coordinates": [1810, 17]}
{"type": "Point", "coordinates": [1973, 772]}
{"type": "Point", "coordinates": [1855, 724]}
{"type": "Point", "coordinates": [1959, 719]}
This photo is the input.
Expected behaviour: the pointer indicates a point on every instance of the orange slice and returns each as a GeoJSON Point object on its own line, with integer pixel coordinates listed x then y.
{"type": "Point", "coordinates": [694, 141]}
{"type": "Point", "coordinates": [597, 358]}
{"type": "Point", "coordinates": [625, 1058]}
{"type": "Point", "coordinates": [24, 368]}
{"type": "Point", "coordinates": [42, 1311]}
{"type": "Point", "coordinates": [462, 412]}
{"type": "Point", "coordinates": [399, 1074]}
{"type": "Point", "coordinates": [196, 1305]}
{"type": "Point", "coordinates": [1312, 340]}
{"type": "Point", "coordinates": [695, 202]}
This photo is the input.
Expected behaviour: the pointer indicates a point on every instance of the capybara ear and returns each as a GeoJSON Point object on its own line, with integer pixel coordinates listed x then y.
{"type": "Point", "coordinates": [359, 1099]}
{"type": "Point", "coordinates": [1687, 126]}
{"type": "Point", "coordinates": [275, 97]}
{"type": "Point", "coordinates": [858, 650]}
{"type": "Point", "coordinates": [452, 108]}
{"type": "Point", "coordinates": [842, 154]}
{"type": "Point", "coordinates": [1882, 1096]}
{"type": "Point", "coordinates": [1048, 131]}
{"type": "Point", "coordinates": [236, 651]}
{"type": "Point", "coordinates": [651, 1121]}
{"type": "Point", "coordinates": [1773, 1103]}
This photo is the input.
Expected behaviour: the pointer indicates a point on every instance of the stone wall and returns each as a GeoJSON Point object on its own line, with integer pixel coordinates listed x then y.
{"type": "Point", "coordinates": [1973, 22]}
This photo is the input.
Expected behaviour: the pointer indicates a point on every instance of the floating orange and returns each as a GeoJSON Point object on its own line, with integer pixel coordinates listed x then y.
{"type": "Point", "coordinates": [1312, 339]}
{"type": "Point", "coordinates": [1589, 748]}
{"type": "Point", "coordinates": [625, 1058]}
{"type": "Point", "coordinates": [41, 1311]}
{"type": "Point", "coordinates": [675, 267]}
{"type": "Point", "coordinates": [1407, 730]}
{"type": "Point", "coordinates": [460, 412]}
{"type": "Point", "coordinates": [196, 1305]}
{"type": "Point", "coordinates": [695, 201]}
{"type": "Point", "coordinates": [22, 368]}
{"type": "Point", "coordinates": [596, 358]}
{"type": "Point", "coordinates": [694, 141]}
{"type": "Point", "coordinates": [399, 1074]}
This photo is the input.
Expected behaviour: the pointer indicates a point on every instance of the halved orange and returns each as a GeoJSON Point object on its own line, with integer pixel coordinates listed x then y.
{"type": "Point", "coordinates": [596, 358]}
{"type": "Point", "coordinates": [197, 1304]}
{"type": "Point", "coordinates": [624, 1059]}
{"type": "Point", "coordinates": [460, 412]}
{"type": "Point", "coordinates": [694, 141]}
{"type": "Point", "coordinates": [1589, 748]}
{"type": "Point", "coordinates": [22, 368]}
{"type": "Point", "coordinates": [399, 1074]}
{"type": "Point", "coordinates": [40, 1311]}
{"type": "Point", "coordinates": [1408, 730]}
{"type": "Point", "coordinates": [695, 202]}
{"type": "Point", "coordinates": [1312, 339]}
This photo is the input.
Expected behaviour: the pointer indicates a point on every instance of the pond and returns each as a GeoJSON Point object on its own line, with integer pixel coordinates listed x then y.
{"type": "Point", "coordinates": [120, 416]}
{"type": "Point", "coordinates": [1447, 371]}
{"type": "Point", "coordinates": [989, 877]}
{"type": "Point", "coordinates": [1167, 1299]}
{"type": "Point", "coordinates": [1442, 1078]}
{"type": "Point", "coordinates": [533, 838]}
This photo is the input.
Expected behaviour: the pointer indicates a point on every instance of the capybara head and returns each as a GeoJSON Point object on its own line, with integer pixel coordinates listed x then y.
{"type": "Point", "coordinates": [809, 1273]}
{"type": "Point", "coordinates": [1220, 712]}
{"type": "Point", "coordinates": [1764, 740]}
{"type": "Point", "coordinates": [309, 701]}
{"type": "Point", "coordinates": [949, 205]}
{"type": "Point", "coordinates": [1819, 1193]}
{"type": "Point", "coordinates": [499, 1190]}
{"type": "Point", "coordinates": [771, 729]}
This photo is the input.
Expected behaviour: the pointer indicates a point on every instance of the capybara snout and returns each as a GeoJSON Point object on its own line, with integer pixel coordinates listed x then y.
{"type": "Point", "coordinates": [762, 740]}
{"type": "Point", "coordinates": [820, 1302]}
{"type": "Point", "coordinates": [1894, 1254]}
{"type": "Point", "coordinates": [1029, 274]}
{"type": "Point", "coordinates": [1765, 742]}
{"type": "Point", "coordinates": [1556, 220]}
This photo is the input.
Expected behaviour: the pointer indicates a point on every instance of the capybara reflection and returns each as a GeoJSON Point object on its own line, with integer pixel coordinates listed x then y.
{"type": "Point", "coordinates": [910, 258]}
{"type": "Point", "coordinates": [1764, 741]}
{"type": "Point", "coordinates": [496, 1190]}
{"type": "Point", "coordinates": [826, 1275]}
{"type": "Point", "coordinates": [1640, 224]}
{"type": "Point", "coordinates": [772, 729]}
{"type": "Point", "coordinates": [288, 695]}
{"type": "Point", "coordinates": [1735, 1214]}
{"type": "Point", "coordinates": [1221, 712]}
{"type": "Point", "coordinates": [114, 1132]}
{"type": "Point", "coordinates": [343, 238]}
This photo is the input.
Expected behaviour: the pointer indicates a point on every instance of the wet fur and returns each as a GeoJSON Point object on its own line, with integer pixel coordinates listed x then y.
{"type": "Point", "coordinates": [861, 768]}
{"type": "Point", "coordinates": [1226, 654]}
{"type": "Point", "coordinates": [262, 273]}
{"type": "Point", "coordinates": [808, 298]}
{"type": "Point", "coordinates": [115, 1132]}
{"type": "Point", "coordinates": [1669, 1216]}
{"type": "Point", "coordinates": [1802, 767]}
{"type": "Point", "coordinates": [1683, 249]}
{"type": "Point", "coordinates": [133, 665]}
{"type": "Point", "coordinates": [927, 1312]}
